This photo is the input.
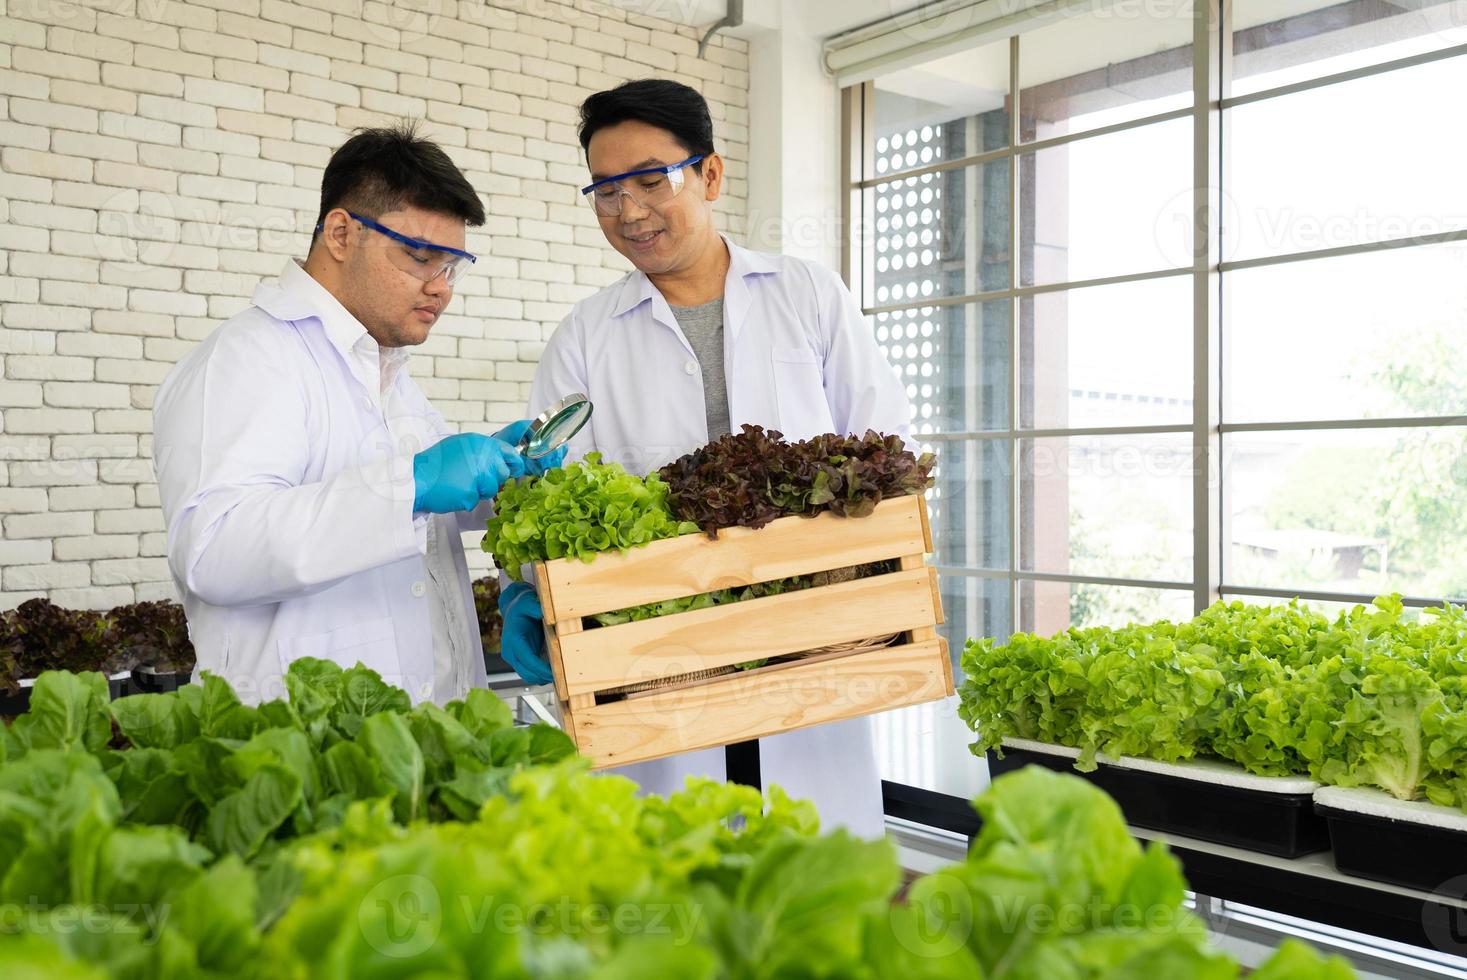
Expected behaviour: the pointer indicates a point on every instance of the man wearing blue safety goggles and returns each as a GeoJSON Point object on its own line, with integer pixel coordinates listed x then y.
{"type": "Point", "coordinates": [314, 498]}
{"type": "Point", "coordinates": [702, 336]}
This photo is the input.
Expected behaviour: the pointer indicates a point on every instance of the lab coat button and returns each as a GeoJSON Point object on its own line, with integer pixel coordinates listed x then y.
{"type": "Point", "coordinates": [690, 368]}
{"type": "Point", "coordinates": [419, 590]}
{"type": "Point", "coordinates": [367, 403]}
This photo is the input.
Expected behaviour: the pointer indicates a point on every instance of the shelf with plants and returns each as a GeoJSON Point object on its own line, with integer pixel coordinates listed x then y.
{"type": "Point", "coordinates": [1249, 698]}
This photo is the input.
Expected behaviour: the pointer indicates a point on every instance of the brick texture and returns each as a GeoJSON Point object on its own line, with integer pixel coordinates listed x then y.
{"type": "Point", "coordinates": [157, 160]}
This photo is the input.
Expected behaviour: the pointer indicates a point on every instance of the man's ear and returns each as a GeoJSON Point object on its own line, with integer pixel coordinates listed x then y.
{"type": "Point", "coordinates": [712, 177]}
{"type": "Point", "coordinates": [335, 231]}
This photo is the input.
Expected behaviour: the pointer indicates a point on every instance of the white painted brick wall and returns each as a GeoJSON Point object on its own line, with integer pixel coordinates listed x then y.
{"type": "Point", "coordinates": [158, 157]}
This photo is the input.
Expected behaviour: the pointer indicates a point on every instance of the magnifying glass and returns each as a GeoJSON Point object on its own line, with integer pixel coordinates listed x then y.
{"type": "Point", "coordinates": [555, 426]}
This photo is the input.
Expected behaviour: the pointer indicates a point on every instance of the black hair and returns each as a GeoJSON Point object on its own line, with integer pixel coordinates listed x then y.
{"type": "Point", "coordinates": [384, 169]}
{"type": "Point", "coordinates": [660, 102]}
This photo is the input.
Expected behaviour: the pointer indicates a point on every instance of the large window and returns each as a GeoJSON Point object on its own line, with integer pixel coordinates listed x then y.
{"type": "Point", "coordinates": [1136, 413]}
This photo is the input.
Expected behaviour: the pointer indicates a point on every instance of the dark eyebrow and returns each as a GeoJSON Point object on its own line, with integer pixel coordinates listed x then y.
{"type": "Point", "coordinates": [649, 162]}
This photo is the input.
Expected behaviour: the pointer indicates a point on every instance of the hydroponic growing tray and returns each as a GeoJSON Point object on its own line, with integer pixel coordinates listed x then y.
{"type": "Point", "coordinates": [1204, 799]}
{"type": "Point", "coordinates": [1400, 842]}
{"type": "Point", "coordinates": [13, 705]}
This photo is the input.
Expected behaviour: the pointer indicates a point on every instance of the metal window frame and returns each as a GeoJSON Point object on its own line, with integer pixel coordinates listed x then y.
{"type": "Point", "coordinates": [1026, 575]}
{"type": "Point", "coordinates": [1016, 274]}
{"type": "Point", "coordinates": [1398, 422]}
{"type": "Point", "coordinates": [1021, 292]}
{"type": "Point", "coordinates": [1234, 265]}
{"type": "Point", "coordinates": [1261, 592]}
{"type": "Point", "coordinates": [1212, 39]}
{"type": "Point", "coordinates": [1324, 81]}
{"type": "Point", "coordinates": [1033, 146]}
{"type": "Point", "coordinates": [977, 435]}
{"type": "Point", "coordinates": [1212, 59]}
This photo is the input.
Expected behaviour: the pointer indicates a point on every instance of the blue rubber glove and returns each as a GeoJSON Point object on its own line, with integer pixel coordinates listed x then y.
{"type": "Point", "coordinates": [522, 643]}
{"type": "Point", "coordinates": [459, 472]}
{"type": "Point", "coordinates": [514, 432]}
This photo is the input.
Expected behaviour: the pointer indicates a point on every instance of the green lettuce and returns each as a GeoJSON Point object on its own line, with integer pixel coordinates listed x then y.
{"type": "Point", "coordinates": [1055, 886]}
{"type": "Point", "coordinates": [578, 511]}
{"type": "Point", "coordinates": [1373, 698]}
{"type": "Point", "coordinates": [345, 834]}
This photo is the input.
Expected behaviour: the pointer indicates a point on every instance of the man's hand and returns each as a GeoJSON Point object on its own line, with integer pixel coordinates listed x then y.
{"type": "Point", "coordinates": [459, 472]}
{"type": "Point", "coordinates": [523, 638]}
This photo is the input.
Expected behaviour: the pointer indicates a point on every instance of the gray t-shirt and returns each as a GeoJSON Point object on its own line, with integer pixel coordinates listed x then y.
{"type": "Point", "coordinates": [703, 326]}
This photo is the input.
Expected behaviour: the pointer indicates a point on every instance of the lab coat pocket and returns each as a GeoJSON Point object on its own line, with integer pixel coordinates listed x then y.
{"type": "Point", "coordinates": [373, 643]}
{"type": "Point", "coordinates": [799, 390]}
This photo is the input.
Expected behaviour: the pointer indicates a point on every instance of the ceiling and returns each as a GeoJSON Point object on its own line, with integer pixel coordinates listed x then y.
{"type": "Point", "coordinates": [819, 18]}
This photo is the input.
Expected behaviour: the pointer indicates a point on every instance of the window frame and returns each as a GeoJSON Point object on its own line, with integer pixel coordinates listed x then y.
{"type": "Point", "coordinates": [1212, 39]}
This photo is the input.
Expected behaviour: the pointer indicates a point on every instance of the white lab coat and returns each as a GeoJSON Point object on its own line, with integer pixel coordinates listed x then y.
{"type": "Point", "coordinates": [798, 357]}
{"type": "Point", "coordinates": [287, 489]}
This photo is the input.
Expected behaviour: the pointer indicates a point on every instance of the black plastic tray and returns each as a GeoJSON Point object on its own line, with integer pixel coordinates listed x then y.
{"type": "Point", "coordinates": [1397, 852]}
{"type": "Point", "coordinates": [1281, 824]}
{"type": "Point", "coordinates": [147, 681]}
{"type": "Point", "coordinates": [13, 705]}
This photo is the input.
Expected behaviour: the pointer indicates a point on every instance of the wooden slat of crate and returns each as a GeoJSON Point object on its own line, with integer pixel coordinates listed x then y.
{"type": "Point", "coordinates": [553, 640]}
{"type": "Point", "coordinates": [613, 656]}
{"type": "Point", "coordinates": [694, 563]}
{"type": "Point", "coordinates": [761, 704]}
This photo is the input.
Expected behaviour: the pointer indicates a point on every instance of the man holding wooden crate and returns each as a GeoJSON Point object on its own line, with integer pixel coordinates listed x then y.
{"type": "Point", "coordinates": [703, 337]}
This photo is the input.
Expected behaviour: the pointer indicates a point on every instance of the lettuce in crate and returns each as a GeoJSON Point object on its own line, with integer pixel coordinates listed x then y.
{"type": "Point", "coordinates": [753, 477]}
{"type": "Point", "coordinates": [578, 511]}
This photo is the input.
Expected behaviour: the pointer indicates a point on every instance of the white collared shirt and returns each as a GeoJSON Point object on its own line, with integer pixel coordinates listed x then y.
{"type": "Point", "coordinates": [798, 357]}
{"type": "Point", "coordinates": [377, 367]}
{"type": "Point", "coordinates": [284, 447]}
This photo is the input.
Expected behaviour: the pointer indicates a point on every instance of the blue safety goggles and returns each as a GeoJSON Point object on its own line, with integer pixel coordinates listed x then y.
{"type": "Point", "coordinates": [657, 185]}
{"type": "Point", "coordinates": [422, 260]}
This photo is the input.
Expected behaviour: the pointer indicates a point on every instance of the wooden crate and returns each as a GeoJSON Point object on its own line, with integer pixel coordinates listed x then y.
{"type": "Point", "coordinates": [699, 712]}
